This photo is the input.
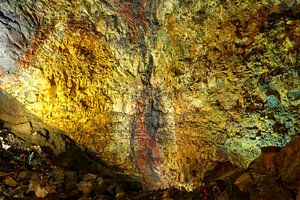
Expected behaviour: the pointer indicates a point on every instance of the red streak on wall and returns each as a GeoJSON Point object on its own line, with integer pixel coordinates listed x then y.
{"type": "Point", "coordinates": [137, 16]}
{"type": "Point", "coordinates": [146, 150]}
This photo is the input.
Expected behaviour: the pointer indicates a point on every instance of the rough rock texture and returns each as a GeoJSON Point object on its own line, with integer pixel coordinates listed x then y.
{"type": "Point", "coordinates": [23, 176]}
{"type": "Point", "coordinates": [17, 25]}
{"type": "Point", "coordinates": [288, 165]}
{"type": "Point", "coordinates": [29, 131]}
{"type": "Point", "coordinates": [28, 177]}
{"type": "Point", "coordinates": [159, 88]}
{"type": "Point", "coordinates": [273, 175]}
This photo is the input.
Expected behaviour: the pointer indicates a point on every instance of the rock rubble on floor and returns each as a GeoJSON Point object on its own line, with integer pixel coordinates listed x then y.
{"type": "Point", "coordinates": [274, 175]}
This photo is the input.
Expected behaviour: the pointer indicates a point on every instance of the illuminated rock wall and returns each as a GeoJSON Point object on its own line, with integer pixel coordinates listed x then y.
{"type": "Point", "coordinates": [159, 88]}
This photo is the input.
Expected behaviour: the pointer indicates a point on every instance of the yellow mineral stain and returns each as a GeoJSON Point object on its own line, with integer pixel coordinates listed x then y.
{"type": "Point", "coordinates": [67, 85]}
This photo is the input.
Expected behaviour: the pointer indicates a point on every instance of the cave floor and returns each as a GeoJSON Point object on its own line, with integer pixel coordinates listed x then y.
{"type": "Point", "coordinates": [29, 172]}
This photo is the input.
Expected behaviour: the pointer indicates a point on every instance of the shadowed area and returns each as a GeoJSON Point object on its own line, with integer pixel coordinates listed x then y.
{"type": "Point", "coordinates": [64, 152]}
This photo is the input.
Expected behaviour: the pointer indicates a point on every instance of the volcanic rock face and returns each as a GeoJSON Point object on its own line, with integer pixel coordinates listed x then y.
{"type": "Point", "coordinates": [159, 88]}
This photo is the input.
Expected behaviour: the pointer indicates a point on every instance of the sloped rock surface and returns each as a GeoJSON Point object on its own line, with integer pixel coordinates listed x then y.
{"type": "Point", "coordinates": [259, 181]}
{"type": "Point", "coordinates": [288, 165]}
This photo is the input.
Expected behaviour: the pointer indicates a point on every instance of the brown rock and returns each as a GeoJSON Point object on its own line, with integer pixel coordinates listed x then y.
{"type": "Point", "coordinates": [101, 186]}
{"type": "Point", "coordinates": [50, 189]}
{"type": "Point", "coordinates": [288, 164]}
{"type": "Point", "coordinates": [74, 193]}
{"type": "Point", "coordinates": [24, 175]}
{"type": "Point", "coordinates": [36, 177]}
{"type": "Point", "coordinates": [264, 163]}
{"type": "Point", "coordinates": [8, 192]}
{"type": "Point", "coordinates": [18, 189]}
{"type": "Point", "coordinates": [20, 195]}
{"type": "Point", "coordinates": [89, 177]}
{"type": "Point", "coordinates": [71, 180]}
{"type": "Point", "coordinates": [9, 181]}
{"type": "Point", "coordinates": [100, 180]}
{"type": "Point", "coordinates": [24, 128]}
{"type": "Point", "coordinates": [120, 195]}
{"type": "Point", "coordinates": [41, 192]}
{"type": "Point", "coordinates": [220, 171]}
{"type": "Point", "coordinates": [35, 187]}
{"type": "Point", "coordinates": [57, 174]}
{"type": "Point", "coordinates": [270, 149]}
{"type": "Point", "coordinates": [18, 192]}
{"type": "Point", "coordinates": [13, 175]}
{"type": "Point", "coordinates": [32, 187]}
{"type": "Point", "coordinates": [166, 195]}
{"type": "Point", "coordinates": [119, 192]}
{"type": "Point", "coordinates": [267, 188]}
{"type": "Point", "coordinates": [112, 188]}
{"type": "Point", "coordinates": [3, 174]}
{"type": "Point", "coordinates": [244, 182]}
{"type": "Point", "coordinates": [85, 187]}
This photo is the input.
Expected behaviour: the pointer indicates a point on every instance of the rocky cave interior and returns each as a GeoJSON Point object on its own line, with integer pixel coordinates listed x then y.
{"type": "Point", "coordinates": [150, 99]}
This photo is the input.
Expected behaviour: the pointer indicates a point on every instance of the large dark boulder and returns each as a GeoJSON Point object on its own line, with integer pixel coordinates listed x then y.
{"type": "Point", "coordinates": [288, 164]}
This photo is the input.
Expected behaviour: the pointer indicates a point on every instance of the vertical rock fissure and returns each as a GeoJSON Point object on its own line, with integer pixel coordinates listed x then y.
{"type": "Point", "coordinates": [146, 122]}
{"type": "Point", "coordinates": [144, 128]}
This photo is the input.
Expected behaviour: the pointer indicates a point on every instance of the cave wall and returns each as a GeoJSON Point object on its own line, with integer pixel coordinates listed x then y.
{"type": "Point", "coordinates": [159, 88]}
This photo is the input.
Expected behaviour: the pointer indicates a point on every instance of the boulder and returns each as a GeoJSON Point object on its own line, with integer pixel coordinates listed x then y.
{"type": "Point", "coordinates": [288, 164]}
{"type": "Point", "coordinates": [244, 182]}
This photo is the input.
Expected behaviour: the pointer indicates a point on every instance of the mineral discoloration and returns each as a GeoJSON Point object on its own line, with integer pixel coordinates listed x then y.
{"type": "Point", "coordinates": [161, 89]}
{"type": "Point", "coordinates": [144, 142]}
